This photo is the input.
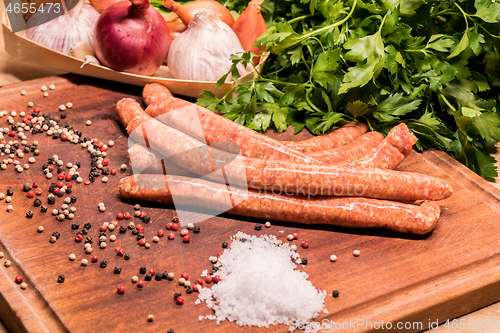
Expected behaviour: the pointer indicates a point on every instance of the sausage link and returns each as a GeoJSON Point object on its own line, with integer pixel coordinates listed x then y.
{"type": "Point", "coordinates": [346, 212]}
{"type": "Point", "coordinates": [217, 131]}
{"type": "Point", "coordinates": [154, 93]}
{"type": "Point", "coordinates": [287, 177]}
{"type": "Point", "coordinates": [350, 152]}
{"type": "Point", "coordinates": [145, 161]}
{"type": "Point", "coordinates": [391, 151]}
{"type": "Point", "coordinates": [334, 139]}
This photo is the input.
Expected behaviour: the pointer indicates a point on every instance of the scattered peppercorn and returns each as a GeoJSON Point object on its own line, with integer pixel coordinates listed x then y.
{"type": "Point", "coordinates": [148, 277]}
{"type": "Point", "coordinates": [196, 229]}
{"type": "Point", "coordinates": [304, 261]}
{"type": "Point", "coordinates": [10, 192]}
{"type": "Point", "coordinates": [356, 253]}
{"type": "Point", "coordinates": [177, 295]}
{"type": "Point", "coordinates": [258, 226]}
{"type": "Point", "coordinates": [60, 278]}
{"type": "Point", "coordinates": [117, 270]}
{"type": "Point", "coordinates": [29, 214]}
{"type": "Point", "coordinates": [40, 229]}
{"type": "Point", "coordinates": [75, 226]}
{"type": "Point", "coordinates": [26, 187]}
{"type": "Point", "coordinates": [142, 270]}
{"type": "Point", "coordinates": [126, 256]}
{"type": "Point", "coordinates": [189, 290]}
{"type": "Point", "coordinates": [103, 264]}
{"type": "Point", "coordinates": [158, 276]}
{"type": "Point", "coordinates": [120, 290]}
{"type": "Point", "coordinates": [37, 203]}
{"type": "Point", "coordinates": [335, 293]}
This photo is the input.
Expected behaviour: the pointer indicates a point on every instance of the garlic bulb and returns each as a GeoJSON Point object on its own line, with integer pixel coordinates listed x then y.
{"type": "Point", "coordinates": [62, 32]}
{"type": "Point", "coordinates": [203, 51]}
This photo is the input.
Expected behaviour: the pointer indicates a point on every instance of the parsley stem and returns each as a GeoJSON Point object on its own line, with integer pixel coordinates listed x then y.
{"type": "Point", "coordinates": [331, 26]}
{"type": "Point", "coordinates": [447, 102]}
{"type": "Point", "coordinates": [311, 104]}
{"type": "Point", "coordinates": [298, 18]}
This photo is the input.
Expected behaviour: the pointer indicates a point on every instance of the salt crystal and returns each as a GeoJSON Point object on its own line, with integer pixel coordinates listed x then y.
{"type": "Point", "coordinates": [204, 273]}
{"type": "Point", "coordinates": [260, 285]}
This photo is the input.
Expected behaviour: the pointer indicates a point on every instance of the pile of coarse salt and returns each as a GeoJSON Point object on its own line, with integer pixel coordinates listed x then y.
{"type": "Point", "coordinates": [260, 286]}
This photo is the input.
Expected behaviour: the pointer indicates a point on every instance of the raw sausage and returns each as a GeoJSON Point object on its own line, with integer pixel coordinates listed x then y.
{"type": "Point", "coordinates": [217, 131]}
{"type": "Point", "coordinates": [145, 161]}
{"type": "Point", "coordinates": [284, 177]}
{"type": "Point", "coordinates": [346, 212]}
{"type": "Point", "coordinates": [334, 139]}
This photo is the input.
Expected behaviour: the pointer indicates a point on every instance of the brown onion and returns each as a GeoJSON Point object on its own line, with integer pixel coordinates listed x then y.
{"type": "Point", "coordinates": [249, 26]}
{"type": "Point", "coordinates": [187, 12]}
{"type": "Point", "coordinates": [131, 36]}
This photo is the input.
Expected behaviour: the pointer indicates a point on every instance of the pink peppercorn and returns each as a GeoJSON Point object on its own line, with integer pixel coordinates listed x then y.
{"type": "Point", "coordinates": [184, 232]}
{"type": "Point", "coordinates": [185, 276]}
{"type": "Point", "coordinates": [12, 133]}
{"type": "Point", "coordinates": [175, 219]}
{"type": "Point", "coordinates": [35, 184]}
{"type": "Point", "coordinates": [64, 137]}
{"type": "Point", "coordinates": [208, 279]}
{"type": "Point", "coordinates": [152, 271]}
{"type": "Point", "coordinates": [295, 235]}
{"type": "Point", "coordinates": [161, 233]}
{"type": "Point", "coordinates": [198, 281]}
{"type": "Point", "coordinates": [120, 290]}
{"type": "Point", "coordinates": [305, 244]}
{"type": "Point", "coordinates": [60, 176]}
{"type": "Point", "coordinates": [60, 184]}
{"type": "Point", "coordinates": [104, 162]}
{"type": "Point", "coordinates": [143, 214]}
{"type": "Point", "coordinates": [186, 239]}
{"type": "Point", "coordinates": [115, 223]}
{"type": "Point", "coordinates": [119, 216]}
{"type": "Point", "coordinates": [175, 226]}
{"type": "Point", "coordinates": [171, 235]}
{"type": "Point", "coordinates": [126, 215]}
{"type": "Point", "coordinates": [103, 228]}
{"type": "Point", "coordinates": [142, 242]}
{"type": "Point", "coordinates": [140, 284]}
{"type": "Point", "coordinates": [140, 228]}
{"type": "Point", "coordinates": [94, 258]}
{"type": "Point", "coordinates": [39, 191]}
{"type": "Point", "coordinates": [78, 238]}
{"type": "Point", "coordinates": [120, 251]}
{"type": "Point", "coordinates": [68, 185]}
{"type": "Point", "coordinates": [169, 226]}
{"type": "Point", "coordinates": [216, 279]}
{"type": "Point", "coordinates": [113, 171]}
{"type": "Point", "coordinates": [68, 177]}
{"type": "Point", "coordinates": [19, 279]}
{"type": "Point", "coordinates": [56, 190]}
{"type": "Point", "coordinates": [220, 253]}
{"type": "Point", "coordinates": [103, 149]}
{"type": "Point", "coordinates": [87, 182]}
{"type": "Point", "coordinates": [180, 300]}
{"type": "Point", "coordinates": [99, 145]}
{"type": "Point", "coordinates": [196, 287]}
{"type": "Point", "coordinates": [31, 194]}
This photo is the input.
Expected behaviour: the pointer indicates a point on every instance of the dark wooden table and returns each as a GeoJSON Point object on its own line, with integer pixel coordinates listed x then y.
{"type": "Point", "coordinates": [450, 272]}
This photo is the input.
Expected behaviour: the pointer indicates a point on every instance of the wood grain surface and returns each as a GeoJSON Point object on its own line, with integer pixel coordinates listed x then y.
{"type": "Point", "coordinates": [397, 278]}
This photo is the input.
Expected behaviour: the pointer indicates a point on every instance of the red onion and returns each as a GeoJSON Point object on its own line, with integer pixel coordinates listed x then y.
{"type": "Point", "coordinates": [131, 36]}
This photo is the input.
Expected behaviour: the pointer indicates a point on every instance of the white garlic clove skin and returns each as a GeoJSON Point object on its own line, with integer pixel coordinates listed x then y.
{"type": "Point", "coordinates": [80, 50]}
{"type": "Point", "coordinates": [89, 59]}
{"type": "Point", "coordinates": [203, 51]}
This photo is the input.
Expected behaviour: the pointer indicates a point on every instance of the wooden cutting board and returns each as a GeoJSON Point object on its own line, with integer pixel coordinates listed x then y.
{"type": "Point", "coordinates": [417, 280]}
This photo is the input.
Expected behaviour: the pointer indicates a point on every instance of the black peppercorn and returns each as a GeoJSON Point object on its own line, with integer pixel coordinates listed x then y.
{"type": "Point", "coordinates": [225, 245]}
{"type": "Point", "coordinates": [85, 231]}
{"type": "Point", "coordinates": [103, 264]}
{"type": "Point", "coordinates": [117, 270]}
{"type": "Point", "coordinates": [215, 268]}
{"type": "Point", "coordinates": [26, 150]}
{"type": "Point", "coordinates": [170, 330]}
{"type": "Point", "coordinates": [142, 270]}
{"type": "Point", "coordinates": [196, 229]}
{"type": "Point", "coordinates": [79, 233]}
{"type": "Point", "coordinates": [148, 277]}
{"type": "Point", "coordinates": [87, 225]}
{"type": "Point", "coordinates": [68, 190]}
{"type": "Point", "coordinates": [74, 177]}
{"type": "Point", "coordinates": [10, 192]}
{"type": "Point", "coordinates": [63, 115]}
{"type": "Point", "coordinates": [26, 187]}
{"type": "Point", "coordinates": [60, 278]}
{"type": "Point", "coordinates": [60, 194]}
{"type": "Point", "coordinates": [51, 200]}
{"type": "Point", "coordinates": [189, 290]}
{"type": "Point", "coordinates": [56, 234]}
{"type": "Point", "coordinates": [29, 214]}
{"type": "Point", "coordinates": [73, 199]}
{"type": "Point", "coordinates": [335, 293]}
{"type": "Point", "coordinates": [164, 275]}
{"type": "Point", "coordinates": [140, 236]}
{"type": "Point", "coordinates": [122, 230]}
{"type": "Point", "coordinates": [102, 233]}
{"type": "Point", "coordinates": [135, 232]}
{"type": "Point", "coordinates": [176, 295]}
{"type": "Point", "coordinates": [37, 202]}
{"type": "Point", "coordinates": [126, 256]}
{"type": "Point", "coordinates": [304, 261]}
{"type": "Point", "coordinates": [75, 226]}
{"type": "Point", "coordinates": [258, 226]}
{"type": "Point", "coordinates": [43, 209]}
{"type": "Point", "coordinates": [158, 276]}
{"type": "Point", "coordinates": [45, 166]}
{"type": "Point", "coordinates": [89, 239]}
{"type": "Point", "coordinates": [146, 219]}
{"type": "Point", "coordinates": [78, 164]}
{"type": "Point", "coordinates": [60, 169]}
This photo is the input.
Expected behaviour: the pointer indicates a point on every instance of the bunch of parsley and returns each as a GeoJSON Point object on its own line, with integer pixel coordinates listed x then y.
{"type": "Point", "coordinates": [430, 64]}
